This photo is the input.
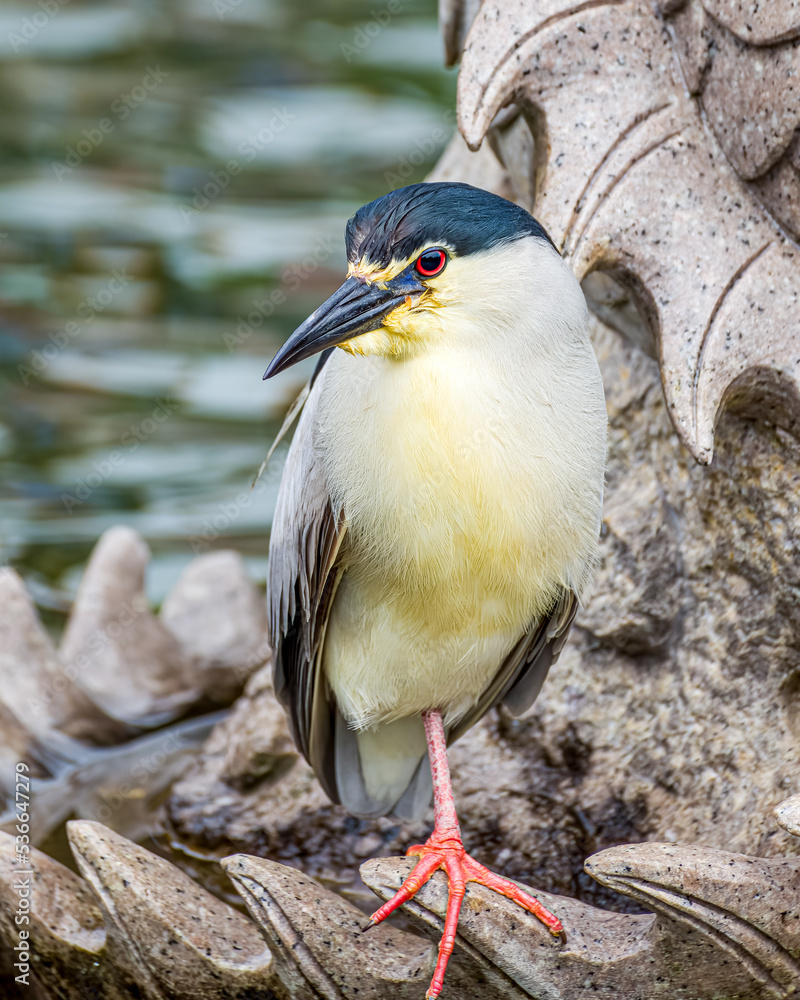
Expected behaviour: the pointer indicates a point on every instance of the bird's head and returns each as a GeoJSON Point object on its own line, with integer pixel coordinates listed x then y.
{"type": "Point", "coordinates": [424, 261]}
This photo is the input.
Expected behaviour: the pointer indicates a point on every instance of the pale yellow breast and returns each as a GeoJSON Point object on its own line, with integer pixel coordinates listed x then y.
{"type": "Point", "coordinates": [460, 531]}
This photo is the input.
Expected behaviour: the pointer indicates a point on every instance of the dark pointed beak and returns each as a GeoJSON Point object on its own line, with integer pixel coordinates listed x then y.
{"type": "Point", "coordinates": [354, 308]}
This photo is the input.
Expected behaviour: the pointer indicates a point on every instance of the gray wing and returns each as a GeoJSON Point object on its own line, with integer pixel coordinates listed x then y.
{"type": "Point", "coordinates": [304, 542]}
{"type": "Point", "coordinates": [521, 675]}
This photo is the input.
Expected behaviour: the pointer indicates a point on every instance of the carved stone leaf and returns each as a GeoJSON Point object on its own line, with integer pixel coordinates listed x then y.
{"type": "Point", "coordinates": [755, 21]}
{"type": "Point", "coordinates": [630, 179]}
{"type": "Point", "coordinates": [609, 954]}
{"type": "Point", "coordinates": [745, 905]}
{"type": "Point", "coordinates": [65, 926]}
{"type": "Point", "coordinates": [169, 934]}
{"type": "Point", "coordinates": [317, 938]}
{"type": "Point", "coordinates": [137, 926]}
{"type": "Point", "coordinates": [752, 101]}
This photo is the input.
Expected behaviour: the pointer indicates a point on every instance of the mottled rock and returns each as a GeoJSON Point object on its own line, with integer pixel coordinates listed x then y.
{"type": "Point", "coordinates": [219, 617]}
{"type": "Point", "coordinates": [636, 600]}
{"type": "Point", "coordinates": [249, 781]}
{"type": "Point", "coordinates": [172, 937]}
{"type": "Point", "coordinates": [787, 814]}
{"type": "Point", "coordinates": [318, 941]}
{"type": "Point", "coordinates": [120, 654]}
{"type": "Point", "coordinates": [607, 954]}
{"type": "Point", "coordinates": [725, 926]}
{"type": "Point", "coordinates": [35, 687]}
{"type": "Point", "coordinates": [65, 926]}
{"type": "Point", "coordinates": [749, 907]}
{"type": "Point", "coordinates": [666, 189]}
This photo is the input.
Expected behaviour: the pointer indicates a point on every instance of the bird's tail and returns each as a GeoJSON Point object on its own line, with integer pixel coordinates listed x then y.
{"type": "Point", "coordinates": [383, 769]}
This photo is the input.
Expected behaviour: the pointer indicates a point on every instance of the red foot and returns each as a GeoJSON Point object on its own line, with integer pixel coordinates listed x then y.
{"type": "Point", "coordinates": [444, 849]}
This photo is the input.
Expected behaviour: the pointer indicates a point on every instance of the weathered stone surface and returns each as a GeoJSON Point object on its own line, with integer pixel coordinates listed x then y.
{"type": "Point", "coordinates": [250, 788]}
{"type": "Point", "coordinates": [755, 22]}
{"type": "Point", "coordinates": [121, 655]}
{"type": "Point", "coordinates": [751, 98]}
{"type": "Point", "coordinates": [788, 815]}
{"type": "Point", "coordinates": [67, 934]}
{"type": "Point", "coordinates": [33, 684]}
{"type": "Point", "coordinates": [607, 954]}
{"type": "Point", "coordinates": [747, 906]}
{"type": "Point", "coordinates": [172, 937]}
{"type": "Point", "coordinates": [725, 926]}
{"type": "Point", "coordinates": [665, 191]}
{"type": "Point", "coordinates": [318, 941]}
{"type": "Point", "coordinates": [219, 617]}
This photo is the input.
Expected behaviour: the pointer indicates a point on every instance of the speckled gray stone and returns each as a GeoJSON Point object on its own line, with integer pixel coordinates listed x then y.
{"type": "Point", "coordinates": [171, 936]}
{"type": "Point", "coordinates": [757, 22]}
{"type": "Point", "coordinates": [219, 617]}
{"type": "Point", "coordinates": [725, 925]}
{"type": "Point", "coordinates": [120, 653]}
{"type": "Point", "coordinates": [65, 927]}
{"type": "Point", "coordinates": [34, 687]}
{"type": "Point", "coordinates": [787, 813]}
{"type": "Point", "coordinates": [632, 177]}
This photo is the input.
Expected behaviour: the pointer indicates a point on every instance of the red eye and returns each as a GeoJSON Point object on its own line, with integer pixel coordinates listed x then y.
{"type": "Point", "coordinates": [431, 262]}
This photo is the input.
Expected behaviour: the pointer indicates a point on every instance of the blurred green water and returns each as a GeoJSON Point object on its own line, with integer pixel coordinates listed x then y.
{"type": "Point", "coordinates": [174, 183]}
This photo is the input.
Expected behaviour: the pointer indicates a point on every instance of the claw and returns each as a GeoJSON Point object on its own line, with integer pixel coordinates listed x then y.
{"type": "Point", "coordinates": [444, 849]}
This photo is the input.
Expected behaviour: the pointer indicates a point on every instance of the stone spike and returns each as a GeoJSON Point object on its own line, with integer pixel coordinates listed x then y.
{"type": "Point", "coordinates": [34, 686]}
{"type": "Point", "coordinates": [219, 617]}
{"type": "Point", "coordinates": [630, 180]}
{"type": "Point", "coordinates": [757, 23]}
{"type": "Point", "coordinates": [66, 929]}
{"type": "Point", "coordinates": [317, 941]}
{"type": "Point", "coordinates": [124, 657]}
{"type": "Point", "coordinates": [175, 938]}
{"type": "Point", "coordinates": [787, 813]}
{"type": "Point", "coordinates": [749, 907]}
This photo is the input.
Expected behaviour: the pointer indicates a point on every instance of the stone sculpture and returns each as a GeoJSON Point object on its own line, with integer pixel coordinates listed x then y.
{"type": "Point", "coordinates": [725, 925]}
{"type": "Point", "coordinates": [666, 152]}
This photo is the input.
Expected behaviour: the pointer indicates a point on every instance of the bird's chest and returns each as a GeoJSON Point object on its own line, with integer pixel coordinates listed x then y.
{"type": "Point", "coordinates": [436, 493]}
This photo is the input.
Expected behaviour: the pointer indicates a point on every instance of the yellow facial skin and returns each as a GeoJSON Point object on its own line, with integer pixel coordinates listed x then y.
{"type": "Point", "coordinates": [412, 322]}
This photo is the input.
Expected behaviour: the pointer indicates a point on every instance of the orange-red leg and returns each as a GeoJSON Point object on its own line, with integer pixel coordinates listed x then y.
{"type": "Point", "coordinates": [444, 849]}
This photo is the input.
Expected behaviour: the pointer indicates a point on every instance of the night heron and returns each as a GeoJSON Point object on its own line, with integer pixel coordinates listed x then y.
{"type": "Point", "coordinates": [438, 514]}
